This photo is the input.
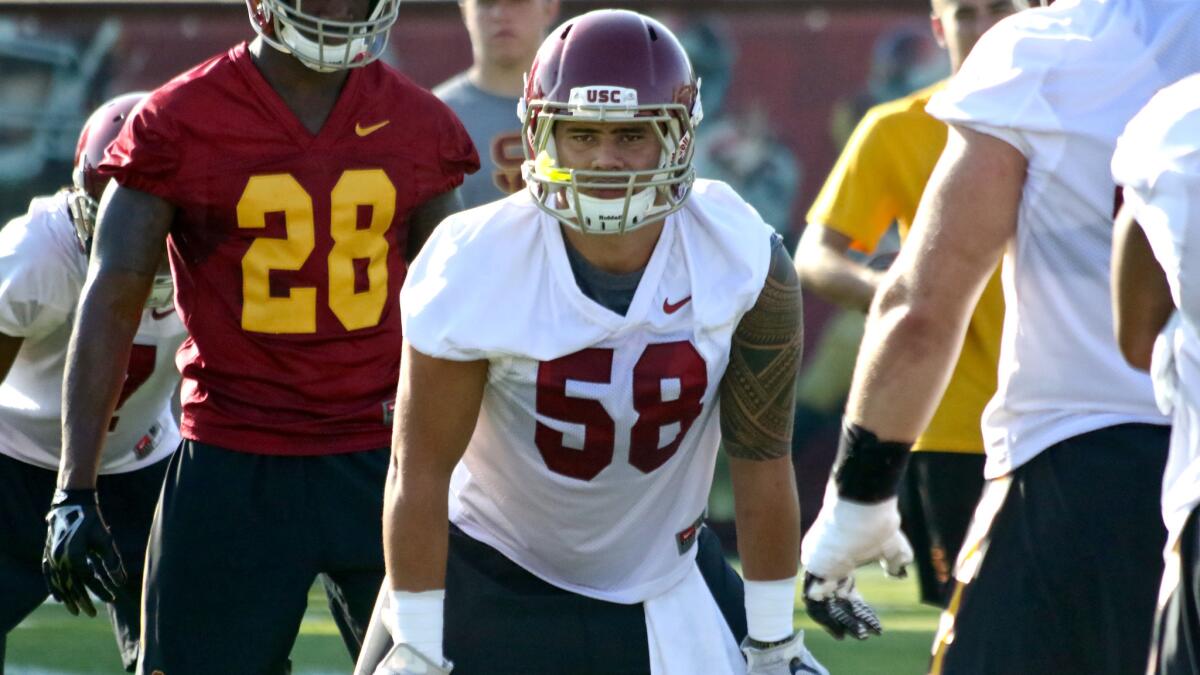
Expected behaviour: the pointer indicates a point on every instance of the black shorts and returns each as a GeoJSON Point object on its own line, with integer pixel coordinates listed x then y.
{"type": "Point", "coordinates": [1177, 627]}
{"type": "Point", "coordinates": [1061, 568]}
{"type": "Point", "coordinates": [127, 501]}
{"type": "Point", "coordinates": [236, 544]}
{"type": "Point", "coordinates": [502, 620]}
{"type": "Point", "coordinates": [938, 495]}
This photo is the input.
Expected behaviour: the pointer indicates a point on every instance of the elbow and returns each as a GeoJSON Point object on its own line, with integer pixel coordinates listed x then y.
{"type": "Point", "coordinates": [918, 323]}
{"type": "Point", "coordinates": [1137, 347]}
{"type": "Point", "coordinates": [808, 265]}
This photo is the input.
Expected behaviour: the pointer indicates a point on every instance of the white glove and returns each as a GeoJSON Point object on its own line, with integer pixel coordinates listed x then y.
{"type": "Point", "coordinates": [404, 660]}
{"type": "Point", "coordinates": [845, 535]}
{"type": "Point", "coordinates": [788, 657]}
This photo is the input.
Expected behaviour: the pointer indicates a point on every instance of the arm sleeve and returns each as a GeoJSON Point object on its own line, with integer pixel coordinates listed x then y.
{"type": "Point", "coordinates": [993, 94]}
{"type": "Point", "coordinates": [856, 199]}
{"type": "Point", "coordinates": [455, 154]}
{"type": "Point", "coordinates": [146, 154]}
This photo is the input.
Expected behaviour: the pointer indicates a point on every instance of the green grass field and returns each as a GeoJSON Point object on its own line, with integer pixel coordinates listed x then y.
{"type": "Point", "coordinates": [52, 642]}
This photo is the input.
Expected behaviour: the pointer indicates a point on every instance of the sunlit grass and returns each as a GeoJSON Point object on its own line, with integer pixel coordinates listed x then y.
{"type": "Point", "coordinates": [53, 642]}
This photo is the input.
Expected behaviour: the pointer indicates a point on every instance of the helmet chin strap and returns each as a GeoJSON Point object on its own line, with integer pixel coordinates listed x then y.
{"type": "Point", "coordinates": [604, 216]}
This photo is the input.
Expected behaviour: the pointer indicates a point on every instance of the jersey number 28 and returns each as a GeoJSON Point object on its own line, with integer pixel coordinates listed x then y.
{"type": "Point", "coordinates": [296, 313]}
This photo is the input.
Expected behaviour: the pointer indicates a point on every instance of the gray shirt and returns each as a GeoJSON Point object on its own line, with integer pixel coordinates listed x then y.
{"type": "Point", "coordinates": [615, 291]}
{"type": "Point", "coordinates": [611, 291]}
{"type": "Point", "coordinates": [495, 129]}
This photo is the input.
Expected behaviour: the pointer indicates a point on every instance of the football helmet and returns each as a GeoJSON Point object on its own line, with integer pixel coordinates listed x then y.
{"type": "Point", "coordinates": [83, 197]}
{"type": "Point", "coordinates": [324, 45]}
{"type": "Point", "coordinates": [88, 184]}
{"type": "Point", "coordinates": [605, 66]}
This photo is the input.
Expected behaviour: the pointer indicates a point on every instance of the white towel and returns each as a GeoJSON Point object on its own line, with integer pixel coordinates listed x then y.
{"type": "Point", "coordinates": [688, 634]}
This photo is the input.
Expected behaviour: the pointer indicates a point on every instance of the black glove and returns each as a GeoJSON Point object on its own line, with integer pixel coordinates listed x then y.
{"type": "Point", "coordinates": [80, 553]}
{"type": "Point", "coordinates": [838, 608]}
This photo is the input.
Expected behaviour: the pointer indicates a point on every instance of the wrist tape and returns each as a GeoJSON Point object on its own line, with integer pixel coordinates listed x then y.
{"type": "Point", "coordinates": [868, 470]}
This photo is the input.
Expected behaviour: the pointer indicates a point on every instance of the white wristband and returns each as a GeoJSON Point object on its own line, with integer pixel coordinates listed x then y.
{"type": "Point", "coordinates": [769, 609]}
{"type": "Point", "coordinates": [416, 620]}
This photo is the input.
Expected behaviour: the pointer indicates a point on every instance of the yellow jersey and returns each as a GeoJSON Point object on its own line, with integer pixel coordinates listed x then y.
{"type": "Point", "coordinates": [878, 180]}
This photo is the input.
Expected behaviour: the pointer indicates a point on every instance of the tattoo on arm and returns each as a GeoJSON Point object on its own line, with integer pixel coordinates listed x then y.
{"type": "Point", "coordinates": [758, 391]}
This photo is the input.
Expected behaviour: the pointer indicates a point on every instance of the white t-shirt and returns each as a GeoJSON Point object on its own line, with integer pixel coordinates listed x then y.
{"type": "Point", "coordinates": [42, 272]}
{"type": "Point", "coordinates": [1158, 163]}
{"type": "Point", "coordinates": [593, 454]}
{"type": "Point", "coordinates": [1059, 85]}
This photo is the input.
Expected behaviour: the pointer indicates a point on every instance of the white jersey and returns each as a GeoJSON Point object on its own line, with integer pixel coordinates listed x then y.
{"type": "Point", "coordinates": [593, 455]}
{"type": "Point", "coordinates": [1158, 163]}
{"type": "Point", "coordinates": [1059, 85]}
{"type": "Point", "coordinates": [41, 276]}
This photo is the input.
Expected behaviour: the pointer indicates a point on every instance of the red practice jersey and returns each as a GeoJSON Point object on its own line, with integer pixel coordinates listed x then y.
{"type": "Point", "coordinates": [288, 248]}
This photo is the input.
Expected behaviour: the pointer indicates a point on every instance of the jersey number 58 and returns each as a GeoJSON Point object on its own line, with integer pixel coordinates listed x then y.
{"type": "Point", "coordinates": [669, 381]}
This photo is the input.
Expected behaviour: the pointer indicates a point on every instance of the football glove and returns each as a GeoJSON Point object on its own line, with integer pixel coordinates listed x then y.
{"type": "Point", "coordinates": [786, 657]}
{"type": "Point", "coordinates": [405, 660]}
{"type": "Point", "coordinates": [845, 535]}
{"type": "Point", "coordinates": [80, 553]}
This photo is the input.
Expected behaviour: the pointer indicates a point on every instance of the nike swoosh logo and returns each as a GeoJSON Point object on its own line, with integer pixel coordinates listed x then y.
{"type": "Point", "coordinates": [367, 131]}
{"type": "Point", "coordinates": [159, 316]}
{"type": "Point", "coordinates": [670, 307]}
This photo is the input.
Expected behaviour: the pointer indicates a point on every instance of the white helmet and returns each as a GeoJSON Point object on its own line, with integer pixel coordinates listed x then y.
{"type": "Point", "coordinates": [322, 44]}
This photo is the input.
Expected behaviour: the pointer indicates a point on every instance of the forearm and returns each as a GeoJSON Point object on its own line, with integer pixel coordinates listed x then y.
{"type": "Point", "coordinates": [837, 279]}
{"type": "Point", "coordinates": [967, 216]}
{"type": "Point", "coordinates": [905, 361]}
{"type": "Point", "coordinates": [415, 528]}
{"type": "Point", "coordinates": [97, 360]}
{"type": "Point", "coordinates": [767, 515]}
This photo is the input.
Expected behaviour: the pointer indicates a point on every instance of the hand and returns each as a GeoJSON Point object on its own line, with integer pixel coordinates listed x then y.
{"type": "Point", "coordinates": [80, 553]}
{"type": "Point", "coordinates": [405, 660]}
{"type": "Point", "coordinates": [848, 534]}
{"type": "Point", "coordinates": [788, 657]}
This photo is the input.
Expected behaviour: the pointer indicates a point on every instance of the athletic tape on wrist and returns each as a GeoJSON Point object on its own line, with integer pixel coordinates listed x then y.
{"type": "Point", "coordinates": [868, 470]}
{"type": "Point", "coordinates": [770, 606]}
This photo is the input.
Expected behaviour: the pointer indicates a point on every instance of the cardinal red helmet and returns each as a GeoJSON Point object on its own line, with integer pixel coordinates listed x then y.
{"type": "Point", "coordinates": [605, 66]}
{"type": "Point", "coordinates": [98, 132]}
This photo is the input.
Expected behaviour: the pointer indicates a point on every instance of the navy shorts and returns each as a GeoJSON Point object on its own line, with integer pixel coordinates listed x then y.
{"type": "Point", "coordinates": [127, 501]}
{"type": "Point", "coordinates": [236, 545]}
{"type": "Point", "coordinates": [938, 495]}
{"type": "Point", "coordinates": [502, 620]}
{"type": "Point", "coordinates": [1061, 568]}
{"type": "Point", "coordinates": [1177, 627]}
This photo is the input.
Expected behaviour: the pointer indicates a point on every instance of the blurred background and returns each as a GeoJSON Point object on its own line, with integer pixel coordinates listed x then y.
{"type": "Point", "coordinates": [783, 84]}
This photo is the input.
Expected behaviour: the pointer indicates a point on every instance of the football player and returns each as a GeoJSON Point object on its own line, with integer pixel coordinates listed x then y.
{"type": "Point", "coordinates": [43, 261]}
{"type": "Point", "coordinates": [573, 356]}
{"type": "Point", "coordinates": [1060, 570]}
{"type": "Point", "coordinates": [878, 180]}
{"type": "Point", "coordinates": [1158, 162]}
{"type": "Point", "coordinates": [294, 175]}
{"type": "Point", "coordinates": [505, 34]}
